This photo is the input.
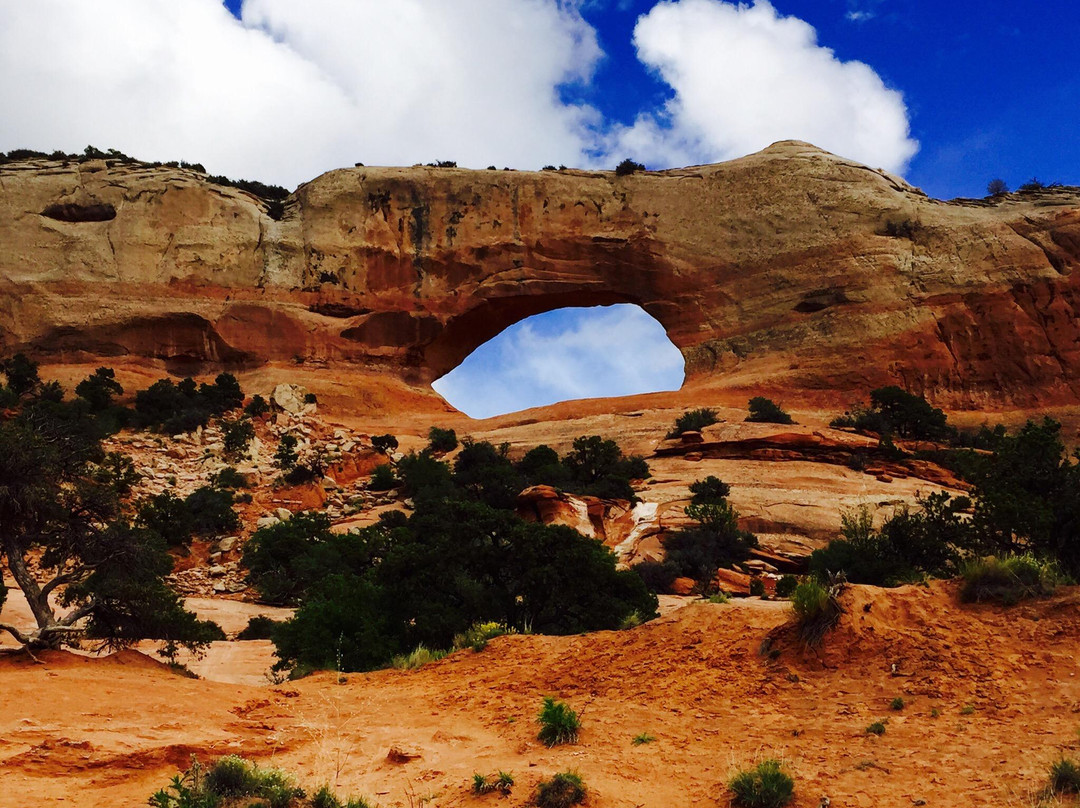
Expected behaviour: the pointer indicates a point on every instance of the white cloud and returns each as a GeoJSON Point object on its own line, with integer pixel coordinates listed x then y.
{"type": "Point", "coordinates": [566, 354]}
{"type": "Point", "coordinates": [293, 89]}
{"type": "Point", "coordinates": [744, 76]}
{"type": "Point", "coordinates": [297, 88]}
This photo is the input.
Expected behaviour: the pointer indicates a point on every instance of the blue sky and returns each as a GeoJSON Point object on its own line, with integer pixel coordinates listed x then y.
{"type": "Point", "coordinates": [948, 94]}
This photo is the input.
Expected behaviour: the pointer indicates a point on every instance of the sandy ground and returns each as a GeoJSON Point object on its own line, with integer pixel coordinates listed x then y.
{"type": "Point", "coordinates": [991, 698]}
{"type": "Point", "coordinates": [246, 662]}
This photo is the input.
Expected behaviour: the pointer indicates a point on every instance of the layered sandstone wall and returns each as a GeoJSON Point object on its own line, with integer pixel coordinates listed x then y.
{"type": "Point", "coordinates": [790, 269]}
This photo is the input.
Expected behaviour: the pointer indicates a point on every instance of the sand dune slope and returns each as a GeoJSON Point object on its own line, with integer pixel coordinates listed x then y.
{"type": "Point", "coordinates": [991, 699]}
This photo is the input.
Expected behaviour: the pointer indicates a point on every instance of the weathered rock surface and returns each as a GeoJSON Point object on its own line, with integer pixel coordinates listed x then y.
{"type": "Point", "coordinates": [790, 269]}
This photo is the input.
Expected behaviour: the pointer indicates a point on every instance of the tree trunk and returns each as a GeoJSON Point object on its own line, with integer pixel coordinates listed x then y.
{"type": "Point", "coordinates": [39, 606]}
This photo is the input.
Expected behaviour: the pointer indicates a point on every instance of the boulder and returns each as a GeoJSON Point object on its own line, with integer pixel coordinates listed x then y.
{"type": "Point", "coordinates": [732, 582]}
{"type": "Point", "coordinates": [289, 398]}
{"type": "Point", "coordinates": [683, 586]}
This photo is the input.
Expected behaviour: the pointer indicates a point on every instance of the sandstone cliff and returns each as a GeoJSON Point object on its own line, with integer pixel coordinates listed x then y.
{"type": "Point", "coordinates": [791, 269]}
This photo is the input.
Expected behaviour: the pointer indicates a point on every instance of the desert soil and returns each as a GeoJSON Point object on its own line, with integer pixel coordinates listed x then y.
{"type": "Point", "coordinates": [991, 698]}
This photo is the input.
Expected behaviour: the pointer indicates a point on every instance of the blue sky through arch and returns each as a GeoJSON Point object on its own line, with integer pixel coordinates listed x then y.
{"type": "Point", "coordinates": [565, 354]}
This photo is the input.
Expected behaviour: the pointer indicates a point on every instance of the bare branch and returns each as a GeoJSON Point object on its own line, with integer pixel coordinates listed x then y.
{"type": "Point", "coordinates": [68, 620]}
{"type": "Point", "coordinates": [64, 578]}
{"type": "Point", "coordinates": [24, 639]}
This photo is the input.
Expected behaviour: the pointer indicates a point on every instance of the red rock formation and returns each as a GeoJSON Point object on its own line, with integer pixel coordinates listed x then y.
{"type": "Point", "coordinates": [791, 269]}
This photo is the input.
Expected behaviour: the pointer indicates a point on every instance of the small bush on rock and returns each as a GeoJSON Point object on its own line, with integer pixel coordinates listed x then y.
{"type": "Point", "coordinates": [384, 444]}
{"type": "Point", "coordinates": [767, 411]}
{"type": "Point", "coordinates": [559, 723]}
{"type": "Point", "coordinates": [693, 421]}
{"type": "Point", "coordinates": [767, 785]}
{"type": "Point", "coordinates": [628, 166]}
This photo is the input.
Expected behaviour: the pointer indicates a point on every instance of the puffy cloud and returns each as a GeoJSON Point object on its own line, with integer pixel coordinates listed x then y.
{"type": "Point", "coordinates": [294, 89]}
{"type": "Point", "coordinates": [743, 77]}
{"type": "Point", "coordinates": [565, 354]}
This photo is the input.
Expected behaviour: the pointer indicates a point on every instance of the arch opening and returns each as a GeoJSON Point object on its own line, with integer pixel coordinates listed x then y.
{"type": "Point", "coordinates": [562, 355]}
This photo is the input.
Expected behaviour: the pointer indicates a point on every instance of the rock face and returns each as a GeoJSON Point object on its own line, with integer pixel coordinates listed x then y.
{"type": "Point", "coordinates": [791, 269]}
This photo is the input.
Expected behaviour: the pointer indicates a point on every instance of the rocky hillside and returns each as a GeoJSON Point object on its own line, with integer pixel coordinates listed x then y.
{"type": "Point", "coordinates": [791, 269]}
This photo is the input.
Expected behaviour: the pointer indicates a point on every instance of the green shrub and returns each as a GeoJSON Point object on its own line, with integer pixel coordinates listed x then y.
{"type": "Point", "coordinates": [300, 475]}
{"type": "Point", "coordinates": [561, 791]}
{"type": "Point", "coordinates": [21, 374]}
{"type": "Point", "coordinates": [478, 635]}
{"type": "Point", "coordinates": [287, 559]}
{"type": "Point", "coordinates": [232, 776]}
{"type": "Point", "coordinates": [212, 511]}
{"type": "Point", "coordinates": [767, 411]}
{"type": "Point", "coordinates": [228, 478]}
{"type": "Point", "coordinates": [693, 421]}
{"type": "Point", "coordinates": [816, 609]}
{"type": "Point", "coordinates": [716, 541]}
{"type": "Point", "coordinates": [257, 407]}
{"type": "Point", "coordinates": [598, 468]}
{"type": "Point", "coordinates": [384, 444]}
{"type": "Point", "coordinates": [657, 575]}
{"type": "Point", "coordinates": [542, 465]}
{"type": "Point", "coordinates": [642, 739]}
{"type": "Point", "coordinates": [175, 408]}
{"type": "Point", "coordinates": [325, 798]}
{"type": "Point", "coordinates": [593, 467]}
{"type": "Point", "coordinates": [559, 723]}
{"type": "Point", "coordinates": [786, 585]}
{"type": "Point", "coordinates": [238, 435]}
{"type": "Point", "coordinates": [259, 627]}
{"type": "Point", "coordinates": [628, 166]}
{"type": "Point", "coordinates": [442, 441]}
{"type": "Point", "coordinates": [767, 785]}
{"type": "Point", "coordinates": [383, 478]}
{"type": "Point", "coordinates": [486, 473]}
{"type": "Point", "coordinates": [1065, 776]}
{"type": "Point", "coordinates": [1009, 580]}
{"type": "Point", "coordinates": [897, 704]}
{"type": "Point", "coordinates": [757, 588]}
{"type": "Point", "coordinates": [167, 516]}
{"type": "Point", "coordinates": [99, 389]}
{"type": "Point", "coordinates": [286, 455]}
{"type": "Point", "coordinates": [909, 544]}
{"type": "Point", "coordinates": [876, 728]}
{"type": "Point", "coordinates": [417, 658]}
{"type": "Point", "coordinates": [503, 782]}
